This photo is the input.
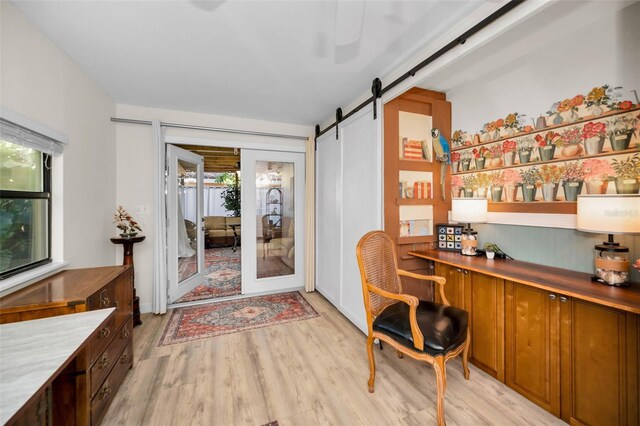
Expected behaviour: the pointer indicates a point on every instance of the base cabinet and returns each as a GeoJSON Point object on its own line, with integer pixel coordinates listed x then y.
{"type": "Point", "coordinates": [454, 289]}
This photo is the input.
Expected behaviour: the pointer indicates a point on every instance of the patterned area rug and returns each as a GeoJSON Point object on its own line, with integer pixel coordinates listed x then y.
{"type": "Point", "coordinates": [215, 319]}
{"type": "Point", "coordinates": [223, 276]}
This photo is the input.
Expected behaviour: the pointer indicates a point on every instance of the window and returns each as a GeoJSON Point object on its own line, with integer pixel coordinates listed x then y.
{"type": "Point", "coordinates": [25, 198]}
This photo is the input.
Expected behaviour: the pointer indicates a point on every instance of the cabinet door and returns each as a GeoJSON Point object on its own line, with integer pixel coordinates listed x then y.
{"type": "Point", "coordinates": [599, 365]}
{"type": "Point", "coordinates": [454, 288]}
{"type": "Point", "coordinates": [533, 345]}
{"type": "Point", "coordinates": [484, 300]}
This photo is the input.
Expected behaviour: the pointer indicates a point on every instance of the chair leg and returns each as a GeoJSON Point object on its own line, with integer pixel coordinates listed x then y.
{"type": "Point", "coordinates": [372, 363]}
{"type": "Point", "coordinates": [465, 356]}
{"type": "Point", "coordinates": [441, 380]}
{"type": "Point", "coordinates": [400, 354]}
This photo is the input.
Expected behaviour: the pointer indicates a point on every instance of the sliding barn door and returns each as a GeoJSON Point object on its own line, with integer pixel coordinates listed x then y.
{"type": "Point", "coordinates": [349, 204]}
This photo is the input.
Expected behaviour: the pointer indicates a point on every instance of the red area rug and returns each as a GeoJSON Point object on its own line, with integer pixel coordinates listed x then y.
{"type": "Point", "coordinates": [215, 319]}
{"type": "Point", "coordinates": [222, 278]}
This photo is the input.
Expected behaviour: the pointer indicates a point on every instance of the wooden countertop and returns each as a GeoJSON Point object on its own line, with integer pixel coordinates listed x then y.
{"type": "Point", "coordinates": [32, 354]}
{"type": "Point", "coordinates": [66, 288]}
{"type": "Point", "coordinates": [562, 281]}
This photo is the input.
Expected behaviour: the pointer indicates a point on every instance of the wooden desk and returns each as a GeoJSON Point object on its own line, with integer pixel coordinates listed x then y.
{"type": "Point", "coordinates": [27, 371]}
{"type": "Point", "coordinates": [567, 344]}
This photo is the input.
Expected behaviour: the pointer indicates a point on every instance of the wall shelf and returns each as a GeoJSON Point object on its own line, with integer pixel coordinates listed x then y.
{"type": "Point", "coordinates": [415, 201]}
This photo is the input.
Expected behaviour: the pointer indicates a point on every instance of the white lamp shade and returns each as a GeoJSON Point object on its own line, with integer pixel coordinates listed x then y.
{"type": "Point", "coordinates": [609, 214]}
{"type": "Point", "coordinates": [469, 210]}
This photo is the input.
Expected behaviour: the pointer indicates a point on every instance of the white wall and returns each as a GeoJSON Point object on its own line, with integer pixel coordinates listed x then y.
{"type": "Point", "coordinates": [135, 171]}
{"type": "Point", "coordinates": [40, 82]}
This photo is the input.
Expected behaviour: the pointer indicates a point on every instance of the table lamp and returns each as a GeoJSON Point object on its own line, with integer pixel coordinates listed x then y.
{"type": "Point", "coordinates": [469, 210]}
{"type": "Point", "coordinates": [610, 214]}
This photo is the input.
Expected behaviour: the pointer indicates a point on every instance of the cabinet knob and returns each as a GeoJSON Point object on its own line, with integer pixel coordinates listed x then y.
{"type": "Point", "coordinates": [459, 270]}
{"type": "Point", "coordinates": [466, 272]}
{"type": "Point", "coordinates": [563, 299]}
{"type": "Point", "coordinates": [552, 296]}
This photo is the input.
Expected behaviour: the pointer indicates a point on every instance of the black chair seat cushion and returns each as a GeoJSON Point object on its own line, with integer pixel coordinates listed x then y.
{"type": "Point", "coordinates": [444, 327]}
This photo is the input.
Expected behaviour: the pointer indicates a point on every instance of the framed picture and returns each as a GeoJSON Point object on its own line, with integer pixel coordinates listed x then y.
{"type": "Point", "coordinates": [449, 237]}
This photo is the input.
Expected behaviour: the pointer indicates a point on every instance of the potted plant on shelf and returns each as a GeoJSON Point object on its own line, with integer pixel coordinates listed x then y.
{"type": "Point", "coordinates": [547, 145]}
{"type": "Point", "coordinates": [593, 135]}
{"type": "Point", "coordinates": [482, 184]}
{"type": "Point", "coordinates": [550, 176]}
{"type": "Point", "coordinates": [494, 154]}
{"type": "Point", "coordinates": [465, 161]}
{"type": "Point", "coordinates": [496, 181]}
{"type": "Point", "coordinates": [570, 108]}
{"type": "Point", "coordinates": [496, 125]}
{"type": "Point", "coordinates": [457, 139]}
{"type": "Point", "coordinates": [512, 124]}
{"type": "Point", "coordinates": [530, 181]}
{"type": "Point", "coordinates": [509, 152]}
{"type": "Point", "coordinates": [455, 162]}
{"type": "Point", "coordinates": [456, 186]}
{"type": "Point", "coordinates": [573, 178]}
{"type": "Point", "coordinates": [627, 174]}
{"type": "Point", "coordinates": [125, 223]}
{"type": "Point", "coordinates": [597, 173]}
{"type": "Point", "coordinates": [480, 155]}
{"type": "Point", "coordinates": [469, 184]}
{"type": "Point", "coordinates": [570, 143]}
{"type": "Point", "coordinates": [512, 180]}
{"type": "Point", "coordinates": [602, 96]}
{"type": "Point", "coordinates": [555, 112]}
{"type": "Point", "coordinates": [620, 132]}
{"type": "Point", "coordinates": [525, 147]}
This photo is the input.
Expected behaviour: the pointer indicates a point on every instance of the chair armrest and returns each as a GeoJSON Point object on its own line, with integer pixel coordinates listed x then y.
{"type": "Point", "coordinates": [440, 280]}
{"type": "Point", "coordinates": [412, 301]}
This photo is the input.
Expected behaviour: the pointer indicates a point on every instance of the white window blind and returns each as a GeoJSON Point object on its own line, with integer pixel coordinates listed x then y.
{"type": "Point", "coordinates": [14, 133]}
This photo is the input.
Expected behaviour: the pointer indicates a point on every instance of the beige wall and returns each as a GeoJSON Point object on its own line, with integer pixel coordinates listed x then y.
{"type": "Point", "coordinates": [40, 82]}
{"type": "Point", "coordinates": [135, 169]}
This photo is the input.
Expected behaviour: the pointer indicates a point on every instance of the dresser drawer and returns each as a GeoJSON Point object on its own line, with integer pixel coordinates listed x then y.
{"type": "Point", "coordinates": [109, 387]}
{"type": "Point", "coordinates": [107, 359]}
{"type": "Point", "coordinates": [103, 298]}
{"type": "Point", "coordinates": [101, 339]}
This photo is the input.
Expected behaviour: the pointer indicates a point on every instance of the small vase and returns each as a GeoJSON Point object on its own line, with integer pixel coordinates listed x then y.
{"type": "Point", "coordinates": [508, 132]}
{"type": "Point", "coordinates": [468, 192]}
{"type": "Point", "coordinates": [572, 190]}
{"type": "Point", "coordinates": [557, 119]}
{"type": "Point", "coordinates": [455, 192]}
{"type": "Point", "coordinates": [549, 191]}
{"type": "Point", "coordinates": [571, 117]}
{"type": "Point", "coordinates": [627, 186]}
{"type": "Point", "coordinates": [597, 186]}
{"type": "Point", "coordinates": [596, 110]}
{"type": "Point", "coordinates": [482, 192]}
{"type": "Point", "coordinates": [529, 193]}
{"type": "Point", "coordinates": [594, 145]}
{"type": "Point", "coordinates": [524, 155]}
{"type": "Point", "coordinates": [465, 165]}
{"type": "Point", "coordinates": [547, 152]}
{"type": "Point", "coordinates": [496, 135]}
{"type": "Point", "coordinates": [496, 194]}
{"type": "Point", "coordinates": [480, 163]}
{"type": "Point", "coordinates": [571, 151]}
{"type": "Point", "coordinates": [495, 162]}
{"type": "Point", "coordinates": [455, 165]}
{"type": "Point", "coordinates": [511, 192]}
{"type": "Point", "coordinates": [486, 137]}
{"type": "Point", "coordinates": [620, 142]}
{"type": "Point", "coordinates": [509, 157]}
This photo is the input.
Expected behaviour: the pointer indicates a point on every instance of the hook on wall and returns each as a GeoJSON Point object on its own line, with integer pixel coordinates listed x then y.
{"type": "Point", "coordinates": [376, 90]}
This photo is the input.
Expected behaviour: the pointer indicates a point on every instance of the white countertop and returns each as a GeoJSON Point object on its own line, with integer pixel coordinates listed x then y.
{"type": "Point", "coordinates": [31, 352]}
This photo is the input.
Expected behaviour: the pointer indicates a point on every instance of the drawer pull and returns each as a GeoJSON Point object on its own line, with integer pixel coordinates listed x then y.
{"type": "Point", "coordinates": [124, 359]}
{"type": "Point", "coordinates": [105, 332]}
{"type": "Point", "coordinates": [125, 334]}
{"type": "Point", "coordinates": [105, 392]}
{"type": "Point", "coordinates": [104, 361]}
{"type": "Point", "coordinates": [466, 272]}
{"type": "Point", "coordinates": [459, 270]}
{"type": "Point", "coordinates": [563, 299]}
{"type": "Point", "coordinates": [105, 301]}
{"type": "Point", "coordinates": [552, 296]}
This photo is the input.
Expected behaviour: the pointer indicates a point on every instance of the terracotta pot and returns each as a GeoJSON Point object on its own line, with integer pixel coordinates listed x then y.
{"type": "Point", "coordinates": [597, 186]}
{"type": "Point", "coordinates": [476, 139]}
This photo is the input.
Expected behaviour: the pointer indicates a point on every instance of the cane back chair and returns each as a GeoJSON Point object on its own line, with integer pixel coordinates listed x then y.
{"type": "Point", "coordinates": [423, 330]}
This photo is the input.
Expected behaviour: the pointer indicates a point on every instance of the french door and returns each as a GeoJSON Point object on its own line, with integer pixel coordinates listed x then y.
{"type": "Point", "coordinates": [185, 217]}
{"type": "Point", "coordinates": [272, 220]}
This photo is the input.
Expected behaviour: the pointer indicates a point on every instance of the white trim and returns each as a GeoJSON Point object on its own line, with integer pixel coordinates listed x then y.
{"type": "Point", "coordinates": [23, 279]}
{"type": "Point", "coordinates": [567, 221]}
{"type": "Point", "coordinates": [23, 121]}
{"type": "Point", "coordinates": [264, 146]}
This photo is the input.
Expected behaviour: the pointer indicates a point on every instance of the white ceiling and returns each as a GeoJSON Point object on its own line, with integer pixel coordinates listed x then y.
{"type": "Point", "coordinates": [288, 61]}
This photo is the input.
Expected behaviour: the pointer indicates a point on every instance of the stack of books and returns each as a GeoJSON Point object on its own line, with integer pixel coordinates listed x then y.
{"type": "Point", "coordinates": [419, 189]}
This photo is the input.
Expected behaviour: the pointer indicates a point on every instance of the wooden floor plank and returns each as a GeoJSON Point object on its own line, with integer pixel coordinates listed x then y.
{"type": "Point", "coordinates": [311, 372]}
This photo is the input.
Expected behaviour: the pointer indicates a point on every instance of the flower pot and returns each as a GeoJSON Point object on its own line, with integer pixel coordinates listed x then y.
{"type": "Point", "coordinates": [549, 191]}
{"type": "Point", "coordinates": [596, 110]}
{"type": "Point", "coordinates": [620, 142]}
{"type": "Point", "coordinates": [486, 137]}
{"type": "Point", "coordinates": [571, 116]}
{"type": "Point", "coordinates": [482, 192]}
{"type": "Point", "coordinates": [480, 163]}
{"type": "Point", "coordinates": [509, 157]}
{"type": "Point", "coordinates": [524, 155]}
{"type": "Point", "coordinates": [496, 135]}
{"type": "Point", "coordinates": [455, 192]}
{"type": "Point", "coordinates": [594, 145]}
{"type": "Point", "coordinates": [529, 193]}
{"type": "Point", "coordinates": [468, 192]}
{"type": "Point", "coordinates": [495, 162]}
{"type": "Point", "coordinates": [597, 186]}
{"type": "Point", "coordinates": [571, 151]}
{"type": "Point", "coordinates": [465, 165]}
{"type": "Point", "coordinates": [557, 119]}
{"type": "Point", "coordinates": [509, 132]}
{"type": "Point", "coordinates": [511, 192]}
{"type": "Point", "coordinates": [627, 186]}
{"type": "Point", "coordinates": [572, 190]}
{"type": "Point", "coordinates": [490, 254]}
{"type": "Point", "coordinates": [547, 152]}
{"type": "Point", "coordinates": [455, 165]}
{"type": "Point", "coordinates": [496, 194]}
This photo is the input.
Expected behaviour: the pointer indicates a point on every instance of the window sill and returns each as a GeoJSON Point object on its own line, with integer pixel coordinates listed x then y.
{"type": "Point", "coordinates": [22, 280]}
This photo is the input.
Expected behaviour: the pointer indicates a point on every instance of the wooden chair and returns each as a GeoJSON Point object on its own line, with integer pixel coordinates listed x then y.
{"type": "Point", "coordinates": [422, 330]}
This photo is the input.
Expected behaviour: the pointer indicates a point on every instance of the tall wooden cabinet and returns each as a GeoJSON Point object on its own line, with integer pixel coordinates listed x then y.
{"type": "Point", "coordinates": [83, 391]}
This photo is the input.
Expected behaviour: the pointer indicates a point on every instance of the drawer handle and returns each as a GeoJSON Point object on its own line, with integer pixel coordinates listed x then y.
{"type": "Point", "coordinates": [466, 272]}
{"type": "Point", "coordinates": [104, 361]}
{"type": "Point", "coordinates": [125, 358]}
{"type": "Point", "coordinates": [563, 299]}
{"type": "Point", "coordinates": [552, 296]}
{"type": "Point", "coordinates": [125, 334]}
{"type": "Point", "coordinates": [105, 392]}
{"type": "Point", "coordinates": [459, 270]}
{"type": "Point", "coordinates": [105, 332]}
{"type": "Point", "coordinates": [105, 301]}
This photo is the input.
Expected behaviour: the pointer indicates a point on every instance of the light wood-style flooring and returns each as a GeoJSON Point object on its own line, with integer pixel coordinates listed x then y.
{"type": "Point", "coordinates": [311, 372]}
